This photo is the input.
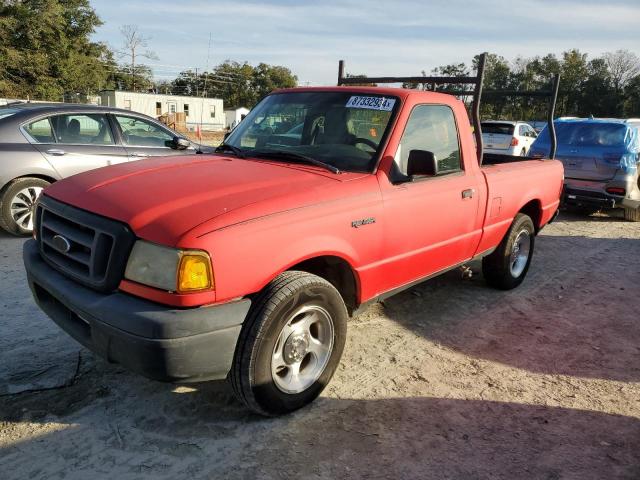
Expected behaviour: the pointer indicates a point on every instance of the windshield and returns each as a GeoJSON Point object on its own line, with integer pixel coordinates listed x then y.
{"type": "Point", "coordinates": [588, 134]}
{"type": "Point", "coordinates": [498, 128]}
{"type": "Point", "coordinates": [341, 129]}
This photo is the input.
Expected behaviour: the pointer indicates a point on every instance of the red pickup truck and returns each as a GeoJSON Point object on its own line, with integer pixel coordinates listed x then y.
{"type": "Point", "coordinates": [247, 264]}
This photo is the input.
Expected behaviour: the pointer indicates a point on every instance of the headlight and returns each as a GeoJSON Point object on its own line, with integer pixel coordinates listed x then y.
{"type": "Point", "coordinates": [169, 268]}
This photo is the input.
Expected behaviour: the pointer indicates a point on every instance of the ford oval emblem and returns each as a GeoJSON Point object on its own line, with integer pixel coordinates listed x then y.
{"type": "Point", "coordinates": [61, 244]}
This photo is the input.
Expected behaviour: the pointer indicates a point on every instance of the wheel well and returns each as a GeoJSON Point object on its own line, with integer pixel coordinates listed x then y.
{"type": "Point", "coordinates": [337, 272]}
{"type": "Point", "coordinates": [534, 210]}
{"type": "Point", "coordinates": [35, 175]}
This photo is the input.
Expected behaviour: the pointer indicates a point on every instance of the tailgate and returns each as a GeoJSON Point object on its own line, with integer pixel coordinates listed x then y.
{"type": "Point", "coordinates": [586, 164]}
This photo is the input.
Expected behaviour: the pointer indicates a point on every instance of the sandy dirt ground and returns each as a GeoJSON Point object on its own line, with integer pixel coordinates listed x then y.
{"type": "Point", "coordinates": [448, 380]}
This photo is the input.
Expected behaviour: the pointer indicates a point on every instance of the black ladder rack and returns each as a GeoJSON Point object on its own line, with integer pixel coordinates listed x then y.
{"type": "Point", "coordinates": [477, 93]}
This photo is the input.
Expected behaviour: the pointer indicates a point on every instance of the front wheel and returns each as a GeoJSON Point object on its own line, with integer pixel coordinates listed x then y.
{"type": "Point", "coordinates": [16, 207]}
{"type": "Point", "coordinates": [507, 266]}
{"type": "Point", "coordinates": [290, 344]}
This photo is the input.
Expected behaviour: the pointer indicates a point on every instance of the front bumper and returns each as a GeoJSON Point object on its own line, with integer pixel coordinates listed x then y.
{"type": "Point", "coordinates": [157, 341]}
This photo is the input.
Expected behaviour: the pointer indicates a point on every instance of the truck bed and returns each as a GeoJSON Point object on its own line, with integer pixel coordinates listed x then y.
{"type": "Point", "coordinates": [497, 159]}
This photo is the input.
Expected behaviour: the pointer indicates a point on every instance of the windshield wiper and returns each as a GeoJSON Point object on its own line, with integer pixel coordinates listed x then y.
{"type": "Point", "coordinates": [230, 148]}
{"type": "Point", "coordinates": [294, 156]}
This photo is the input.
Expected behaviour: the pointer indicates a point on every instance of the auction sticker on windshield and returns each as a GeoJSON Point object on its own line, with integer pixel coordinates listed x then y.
{"type": "Point", "coordinates": [371, 103]}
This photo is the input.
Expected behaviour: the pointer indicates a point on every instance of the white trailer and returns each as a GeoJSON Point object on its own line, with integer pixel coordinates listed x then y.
{"type": "Point", "coordinates": [208, 113]}
{"type": "Point", "coordinates": [234, 116]}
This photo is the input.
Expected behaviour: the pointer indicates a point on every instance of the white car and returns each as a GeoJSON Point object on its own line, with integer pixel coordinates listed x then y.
{"type": "Point", "coordinates": [507, 138]}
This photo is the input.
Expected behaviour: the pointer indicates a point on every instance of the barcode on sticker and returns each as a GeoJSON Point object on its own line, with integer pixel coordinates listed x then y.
{"type": "Point", "coordinates": [371, 103]}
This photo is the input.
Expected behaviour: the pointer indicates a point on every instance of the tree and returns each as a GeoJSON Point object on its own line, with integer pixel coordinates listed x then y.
{"type": "Point", "coordinates": [238, 84]}
{"type": "Point", "coordinates": [45, 49]}
{"type": "Point", "coordinates": [133, 43]}
{"type": "Point", "coordinates": [598, 96]}
{"type": "Point", "coordinates": [631, 104]}
{"type": "Point", "coordinates": [623, 65]}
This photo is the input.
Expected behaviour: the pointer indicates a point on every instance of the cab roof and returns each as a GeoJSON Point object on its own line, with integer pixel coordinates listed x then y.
{"type": "Point", "coordinates": [402, 93]}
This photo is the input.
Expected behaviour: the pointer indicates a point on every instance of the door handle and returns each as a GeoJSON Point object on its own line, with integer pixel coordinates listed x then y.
{"type": "Point", "coordinates": [468, 193]}
{"type": "Point", "coordinates": [56, 151]}
{"type": "Point", "coordinates": [138, 154]}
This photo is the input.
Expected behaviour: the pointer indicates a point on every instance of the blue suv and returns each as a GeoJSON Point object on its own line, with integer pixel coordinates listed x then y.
{"type": "Point", "coordinates": [601, 159]}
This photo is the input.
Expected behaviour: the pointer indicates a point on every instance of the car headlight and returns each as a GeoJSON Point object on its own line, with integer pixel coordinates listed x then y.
{"type": "Point", "coordinates": [169, 268]}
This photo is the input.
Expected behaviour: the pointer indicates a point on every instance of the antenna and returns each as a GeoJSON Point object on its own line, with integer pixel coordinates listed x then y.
{"type": "Point", "coordinates": [204, 90]}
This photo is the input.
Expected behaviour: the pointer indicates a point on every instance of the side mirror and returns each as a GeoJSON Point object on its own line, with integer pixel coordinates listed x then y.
{"type": "Point", "coordinates": [180, 143]}
{"type": "Point", "coordinates": [422, 163]}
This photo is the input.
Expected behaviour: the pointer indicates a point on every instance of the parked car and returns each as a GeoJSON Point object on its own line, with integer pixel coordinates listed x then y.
{"type": "Point", "coordinates": [247, 264]}
{"type": "Point", "coordinates": [42, 143]}
{"type": "Point", "coordinates": [507, 138]}
{"type": "Point", "coordinates": [601, 159]}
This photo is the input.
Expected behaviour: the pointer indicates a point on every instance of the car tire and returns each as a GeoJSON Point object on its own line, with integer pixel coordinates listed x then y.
{"type": "Point", "coordinates": [508, 265]}
{"type": "Point", "coordinates": [290, 344]}
{"type": "Point", "coordinates": [632, 214]}
{"type": "Point", "coordinates": [17, 202]}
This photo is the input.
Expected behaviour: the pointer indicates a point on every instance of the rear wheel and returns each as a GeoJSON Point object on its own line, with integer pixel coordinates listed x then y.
{"type": "Point", "coordinates": [16, 207]}
{"type": "Point", "coordinates": [290, 344]}
{"type": "Point", "coordinates": [632, 214]}
{"type": "Point", "coordinates": [507, 266]}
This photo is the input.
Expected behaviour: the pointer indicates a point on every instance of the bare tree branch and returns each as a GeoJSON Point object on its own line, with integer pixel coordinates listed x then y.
{"type": "Point", "coordinates": [133, 42]}
{"type": "Point", "coordinates": [623, 65]}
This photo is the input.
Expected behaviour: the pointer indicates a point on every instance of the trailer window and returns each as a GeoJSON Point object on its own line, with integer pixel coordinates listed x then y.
{"type": "Point", "coordinates": [431, 128]}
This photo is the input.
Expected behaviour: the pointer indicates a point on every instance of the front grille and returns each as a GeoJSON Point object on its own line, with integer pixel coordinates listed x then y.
{"type": "Point", "coordinates": [89, 248]}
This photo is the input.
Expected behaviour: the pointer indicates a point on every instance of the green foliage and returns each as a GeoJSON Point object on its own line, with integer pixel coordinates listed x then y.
{"type": "Point", "coordinates": [238, 84]}
{"type": "Point", "coordinates": [603, 87]}
{"type": "Point", "coordinates": [45, 49]}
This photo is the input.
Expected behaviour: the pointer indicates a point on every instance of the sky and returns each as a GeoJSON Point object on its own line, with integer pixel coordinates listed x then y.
{"type": "Point", "coordinates": [376, 38]}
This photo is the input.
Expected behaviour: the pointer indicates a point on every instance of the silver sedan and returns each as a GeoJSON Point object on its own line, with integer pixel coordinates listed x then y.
{"type": "Point", "coordinates": [44, 142]}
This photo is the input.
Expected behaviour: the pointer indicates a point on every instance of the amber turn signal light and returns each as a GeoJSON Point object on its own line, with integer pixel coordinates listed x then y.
{"type": "Point", "coordinates": [194, 272]}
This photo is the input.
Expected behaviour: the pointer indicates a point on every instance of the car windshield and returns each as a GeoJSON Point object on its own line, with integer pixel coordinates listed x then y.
{"type": "Point", "coordinates": [498, 128]}
{"type": "Point", "coordinates": [588, 134]}
{"type": "Point", "coordinates": [341, 129]}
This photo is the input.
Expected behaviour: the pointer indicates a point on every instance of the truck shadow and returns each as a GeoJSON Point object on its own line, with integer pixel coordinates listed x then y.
{"type": "Point", "coordinates": [575, 314]}
{"type": "Point", "coordinates": [154, 433]}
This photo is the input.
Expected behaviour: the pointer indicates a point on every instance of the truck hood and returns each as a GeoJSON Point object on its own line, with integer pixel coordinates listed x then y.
{"type": "Point", "coordinates": [162, 199]}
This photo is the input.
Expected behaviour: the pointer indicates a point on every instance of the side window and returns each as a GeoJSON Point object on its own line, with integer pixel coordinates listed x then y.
{"type": "Point", "coordinates": [431, 128]}
{"type": "Point", "coordinates": [41, 131]}
{"type": "Point", "coordinates": [82, 129]}
{"type": "Point", "coordinates": [142, 133]}
{"type": "Point", "coordinates": [523, 130]}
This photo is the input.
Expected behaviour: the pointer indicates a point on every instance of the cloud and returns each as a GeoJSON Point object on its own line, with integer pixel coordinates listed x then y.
{"type": "Point", "coordinates": [376, 37]}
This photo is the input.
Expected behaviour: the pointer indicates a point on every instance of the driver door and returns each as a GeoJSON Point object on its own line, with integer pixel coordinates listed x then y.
{"type": "Point", "coordinates": [144, 138]}
{"type": "Point", "coordinates": [431, 222]}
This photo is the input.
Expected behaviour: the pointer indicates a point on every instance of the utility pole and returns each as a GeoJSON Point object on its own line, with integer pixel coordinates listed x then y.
{"type": "Point", "coordinates": [197, 82]}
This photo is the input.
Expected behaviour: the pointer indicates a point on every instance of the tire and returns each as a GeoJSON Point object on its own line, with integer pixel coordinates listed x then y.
{"type": "Point", "coordinates": [274, 343]}
{"type": "Point", "coordinates": [16, 203]}
{"type": "Point", "coordinates": [500, 269]}
{"type": "Point", "coordinates": [632, 214]}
